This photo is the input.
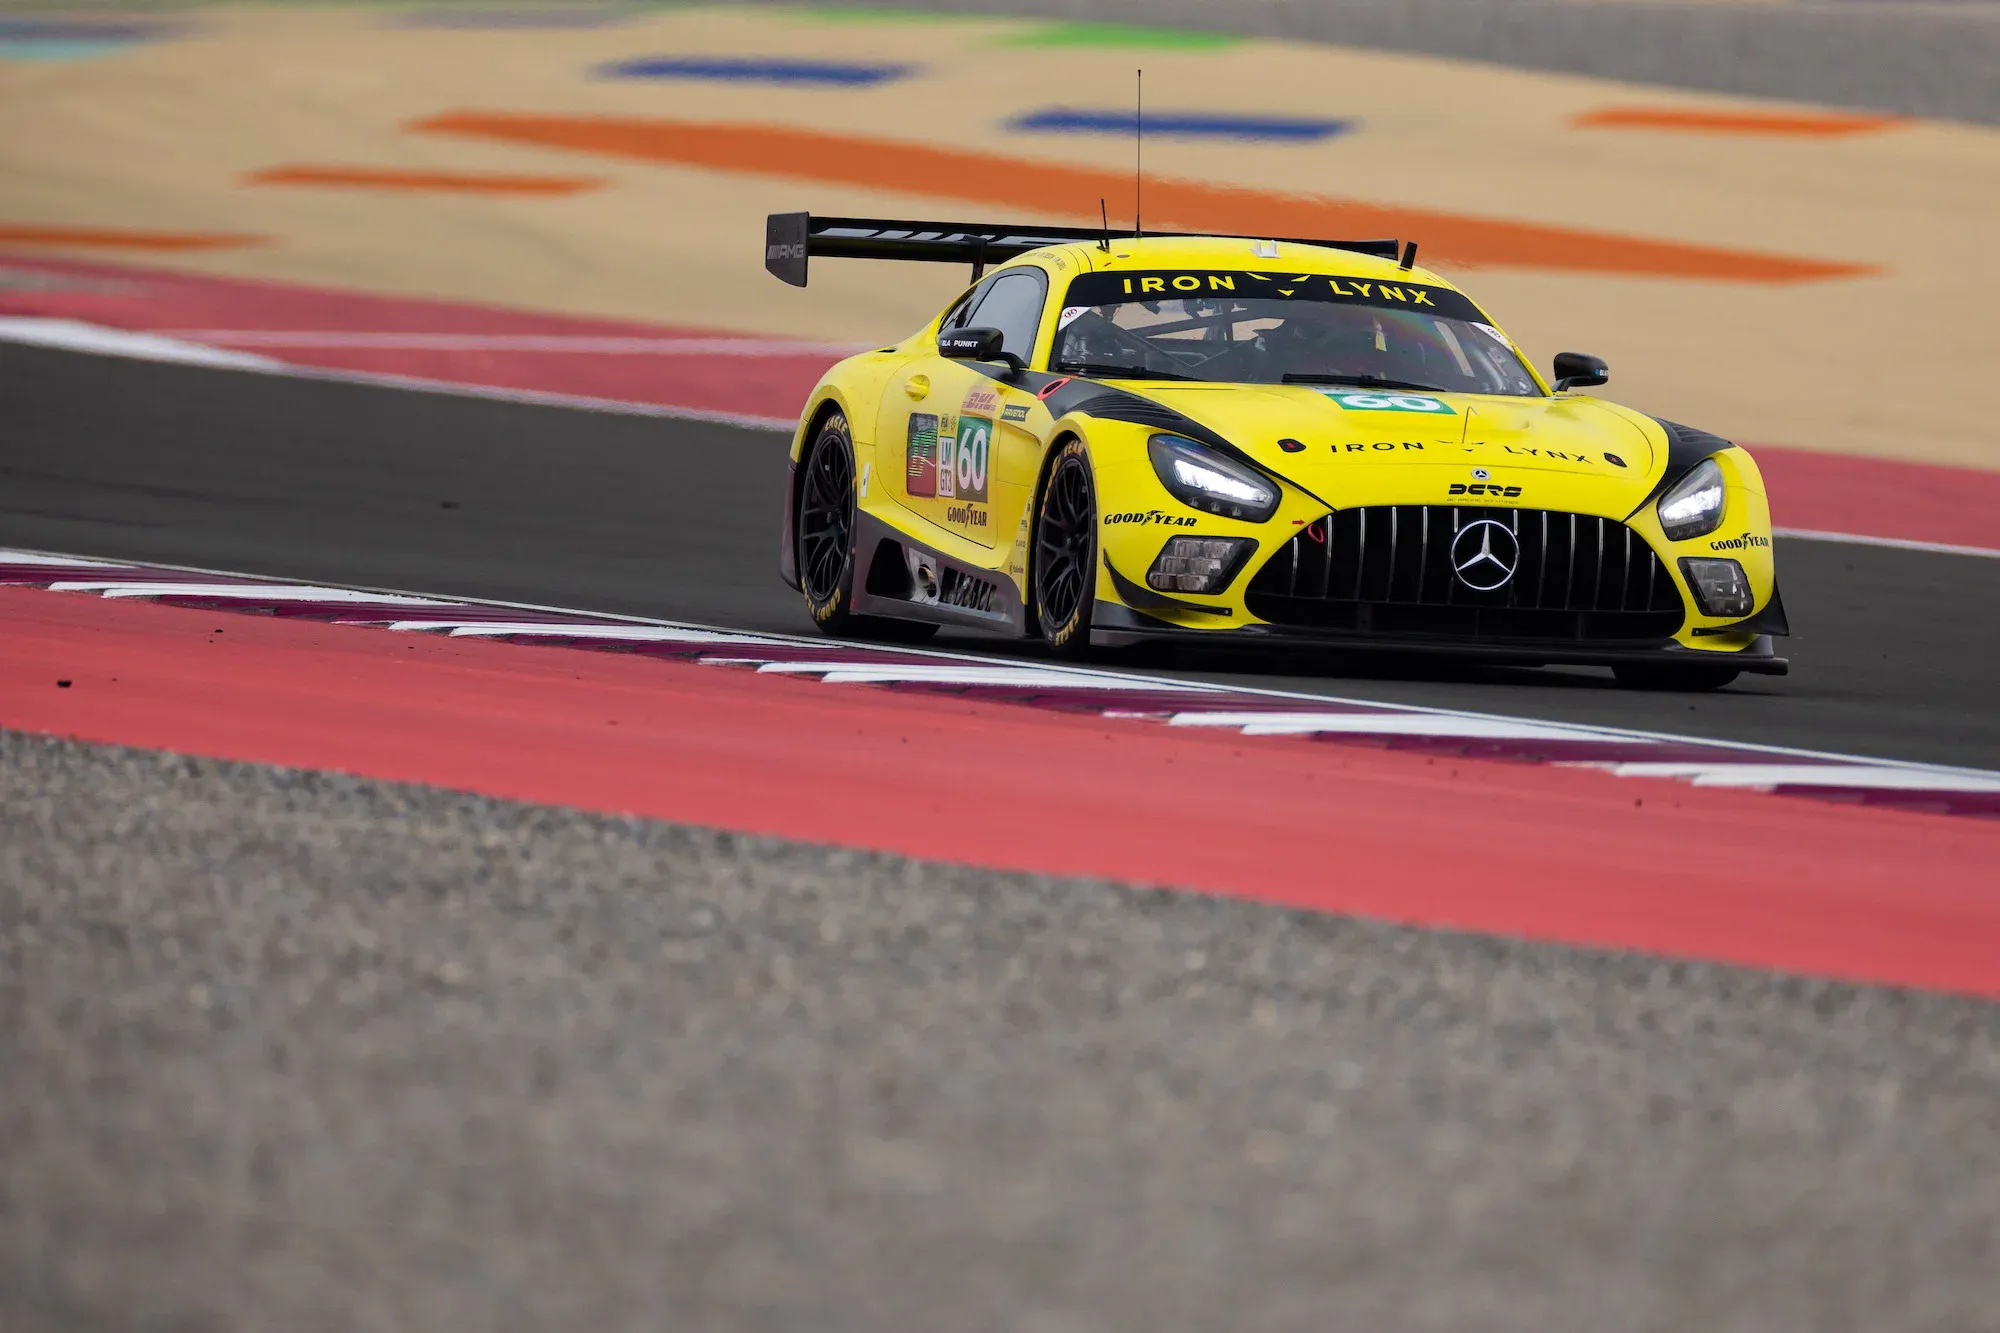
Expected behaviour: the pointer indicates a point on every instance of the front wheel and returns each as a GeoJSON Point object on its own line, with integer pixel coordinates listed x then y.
{"type": "Point", "coordinates": [1065, 573]}
{"type": "Point", "coordinates": [1687, 677]}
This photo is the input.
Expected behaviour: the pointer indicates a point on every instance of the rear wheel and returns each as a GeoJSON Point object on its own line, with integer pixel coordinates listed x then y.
{"type": "Point", "coordinates": [825, 543]}
{"type": "Point", "coordinates": [1065, 581]}
{"type": "Point", "coordinates": [1686, 677]}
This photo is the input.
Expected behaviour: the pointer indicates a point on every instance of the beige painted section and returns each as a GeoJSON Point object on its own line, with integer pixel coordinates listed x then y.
{"type": "Point", "coordinates": [1893, 365]}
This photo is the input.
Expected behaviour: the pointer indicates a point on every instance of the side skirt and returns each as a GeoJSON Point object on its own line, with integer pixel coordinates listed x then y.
{"type": "Point", "coordinates": [898, 577]}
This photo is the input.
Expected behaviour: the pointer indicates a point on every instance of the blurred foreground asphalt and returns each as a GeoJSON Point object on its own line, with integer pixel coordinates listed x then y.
{"type": "Point", "coordinates": [295, 1051]}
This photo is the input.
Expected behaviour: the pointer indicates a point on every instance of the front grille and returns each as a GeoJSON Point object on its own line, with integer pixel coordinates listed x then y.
{"type": "Point", "coordinates": [1387, 570]}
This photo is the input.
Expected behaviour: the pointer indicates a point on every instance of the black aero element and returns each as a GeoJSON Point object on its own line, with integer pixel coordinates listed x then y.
{"type": "Point", "coordinates": [791, 239]}
{"type": "Point", "coordinates": [1579, 370]}
{"type": "Point", "coordinates": [1686, 448]}
{"type": "Point", "coordinates": [1389, 570]}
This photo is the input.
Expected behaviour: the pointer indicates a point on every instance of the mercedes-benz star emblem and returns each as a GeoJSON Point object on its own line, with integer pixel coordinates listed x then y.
{"type": "Point", "coordinates": [1480, 474]}
{"type": "Point", "coordinates": [1484, 554]}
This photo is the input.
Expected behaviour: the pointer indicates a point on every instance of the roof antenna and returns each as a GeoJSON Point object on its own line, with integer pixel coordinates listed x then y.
{"type": "Point", "coordinates": [1104, 216]}
{"type": "Point", "coordinates": [1138, 157]}
{"type": "Point", "coordinates": [1409, 254]}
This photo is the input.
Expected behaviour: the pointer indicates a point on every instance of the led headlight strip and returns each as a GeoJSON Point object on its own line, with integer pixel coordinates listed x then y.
{"type": "Point", "coordinates": [1693, 508]}
{"type": "Point", "coordinates": [1203, 479]}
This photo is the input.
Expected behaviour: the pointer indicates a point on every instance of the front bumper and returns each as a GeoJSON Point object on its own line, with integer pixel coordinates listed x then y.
{"type": "Point", "coordinates": [1115, 625]}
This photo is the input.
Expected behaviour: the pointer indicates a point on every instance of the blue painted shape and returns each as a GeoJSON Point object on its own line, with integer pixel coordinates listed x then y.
{"type": "Point", "coordinates": [1182, 124]}
{"type": "Point", "coordinates": [510, 19]}
{"type": "Point", "coordinates": [749, 69]}
{"type": "Point", "coordinates": [79, 30]}
{"type": "Point", "coordinates": [12, 50]}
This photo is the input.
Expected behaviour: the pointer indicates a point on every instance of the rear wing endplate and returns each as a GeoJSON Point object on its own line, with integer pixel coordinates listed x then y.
{"type": "Point", "coordinates": [792, 239]}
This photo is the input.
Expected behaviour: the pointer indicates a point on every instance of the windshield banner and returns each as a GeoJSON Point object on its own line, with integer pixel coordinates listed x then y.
{"type": "Point", "coordinates": [1095, 289]}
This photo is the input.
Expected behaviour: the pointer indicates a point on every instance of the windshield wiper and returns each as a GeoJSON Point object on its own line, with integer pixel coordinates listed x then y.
{"type": "Point", "coordinates": [1363, 382]}
{"type": "Point", "coordinates": [1124, 372]}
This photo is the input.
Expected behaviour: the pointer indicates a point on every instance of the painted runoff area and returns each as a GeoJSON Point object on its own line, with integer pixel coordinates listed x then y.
{"type": "Point", "coordinates": [1412, 815]}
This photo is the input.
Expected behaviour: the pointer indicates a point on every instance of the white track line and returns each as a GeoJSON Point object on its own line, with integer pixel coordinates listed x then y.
{"type": "Point", "coordinates": [572, 343]}
{"type": "Point", "coordinates": [1896, 543]}
{"type": "Point", "coordinates": [1767, 776]}
{"type": "Point", "coordinates": [71, 335]}
{"type": "Point", "coordinates": [487, 629]}
{"type": "Point", "coordinates": [847, 673]}
{"type": "Point", "coordinates": [242, 592]}
{"type": "Point", "coordinates": [97, 340]}
{"type": "Point", "coordinates": [1385, 724]}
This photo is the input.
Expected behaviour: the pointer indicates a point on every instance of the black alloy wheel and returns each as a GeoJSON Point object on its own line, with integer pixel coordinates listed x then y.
{"type": "Point", "coordinates": [1066, 553]}
{"type": "Point", "coordinates": [826, 529]}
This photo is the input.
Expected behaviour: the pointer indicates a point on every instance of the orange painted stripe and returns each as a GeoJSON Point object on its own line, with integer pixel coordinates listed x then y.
{"type": "Point", "coordinates": [1056, 190]}
{"type": "Point", "coordinates": [388, 178]}
{"type": "Point", "coordinates": [113, 238]}
{"type": "Point", "coordinates": [1795, 124]}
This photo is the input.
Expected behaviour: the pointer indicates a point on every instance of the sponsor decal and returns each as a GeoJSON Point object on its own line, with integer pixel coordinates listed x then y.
{"type": "Point", "coordinates": [970, 516]}
{"type": "Point", "coordinates": [1015, 412]}
{"type": "Point", "coordinates": [1353, 400]}
{"type": "Point", "coordinates": [1093, 289]}
{"type": "Point", "coordinates": [1556, 454]}
{"type": "Point", "coordinates": [867, 470]}
{"type": "Point", "coordinates": [983, 402]}
{"type": "Point", "coordinates": [1292, 446]}
{"type": "Point", "coordinates": [1493, 333]}
{"type": "Point", "coordinates": [1745, 542]}
{"type": "Point", "coordinates": [1379, 446]}
{"type": "Point", "coordinates": [1070, 314]}
{"type": "Point", "coordinates": [796, 250]}
{"type": "Point", "coordinates": [1150, 516]}
{"type": "Point", "coordinates": [966, 470]}
{"type": "Point", "coordinates": [920, 477]}
{"type": "Point", "coordinates": [1483, 488]}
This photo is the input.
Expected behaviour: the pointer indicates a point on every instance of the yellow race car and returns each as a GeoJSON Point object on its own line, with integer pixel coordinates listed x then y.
{"type": "Point", "coordinates": [1208, 439]}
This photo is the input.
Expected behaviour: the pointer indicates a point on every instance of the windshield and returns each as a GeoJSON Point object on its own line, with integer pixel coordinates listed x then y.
{"type": "Point", "coordinates": [1258, 328]}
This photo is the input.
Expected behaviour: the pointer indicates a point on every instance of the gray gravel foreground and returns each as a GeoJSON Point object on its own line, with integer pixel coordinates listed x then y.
{"type": "Point", "coordinates": [295, 1051]}
{"type": "Point", "coordinates": [1915, 57]}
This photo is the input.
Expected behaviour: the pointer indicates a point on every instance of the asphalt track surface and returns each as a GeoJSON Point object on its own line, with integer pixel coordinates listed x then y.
{"type": "Point", "coordinates": [289, 1050]}
{"type": "Point", "coordinates": [1904, 56]}
{"type": "Point", "coordinates": [677, 519]}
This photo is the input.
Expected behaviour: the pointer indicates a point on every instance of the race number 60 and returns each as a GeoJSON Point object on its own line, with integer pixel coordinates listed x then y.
{"type": "Point", "coordinates": [974, 435]}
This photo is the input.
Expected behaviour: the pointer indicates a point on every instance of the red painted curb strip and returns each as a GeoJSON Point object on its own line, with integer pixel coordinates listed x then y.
{"type": "Point", "coordinates": [1551, 853]}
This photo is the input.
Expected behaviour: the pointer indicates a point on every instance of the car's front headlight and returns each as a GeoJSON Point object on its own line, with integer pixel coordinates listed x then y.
{"type": "Point", "coordinates": [1693, 508]}
{"type": "Point", "coordinates": [1203, 479]}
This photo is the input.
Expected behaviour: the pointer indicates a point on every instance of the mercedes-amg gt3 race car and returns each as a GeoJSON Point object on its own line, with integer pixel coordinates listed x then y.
{"type": "Point", "coordinates": [1209, 439]}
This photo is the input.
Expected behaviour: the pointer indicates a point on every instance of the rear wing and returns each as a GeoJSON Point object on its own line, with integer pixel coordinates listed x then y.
{"type": "Point", "coordinates": [792, 239]}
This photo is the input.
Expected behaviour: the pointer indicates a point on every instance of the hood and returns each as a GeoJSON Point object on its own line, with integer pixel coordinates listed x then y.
{"type": "Point", "coordinates": [1389, 447]}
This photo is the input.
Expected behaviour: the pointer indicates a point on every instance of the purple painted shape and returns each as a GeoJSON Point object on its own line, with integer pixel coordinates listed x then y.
{"type": "Point", "coordinates": [835, 654]}
{"type": "Point", "coordinates": [1977, 804]}
{"type": "Point", "coordinates": [1610, 750]}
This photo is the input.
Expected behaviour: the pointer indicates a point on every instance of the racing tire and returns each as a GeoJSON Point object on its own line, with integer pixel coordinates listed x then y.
{"type": "Point", "coordinates": [823, 538]}
{"type": "Point", "coordinates": [1684, 677]}
{"type": "Point", "coordinates": [1064, 581]}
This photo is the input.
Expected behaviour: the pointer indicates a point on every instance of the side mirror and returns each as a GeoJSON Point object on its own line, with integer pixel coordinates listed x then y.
{"type": "Point", "coordinates": [1579, 370]}
{"type": "Point", "coordinates": [978, 345]}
